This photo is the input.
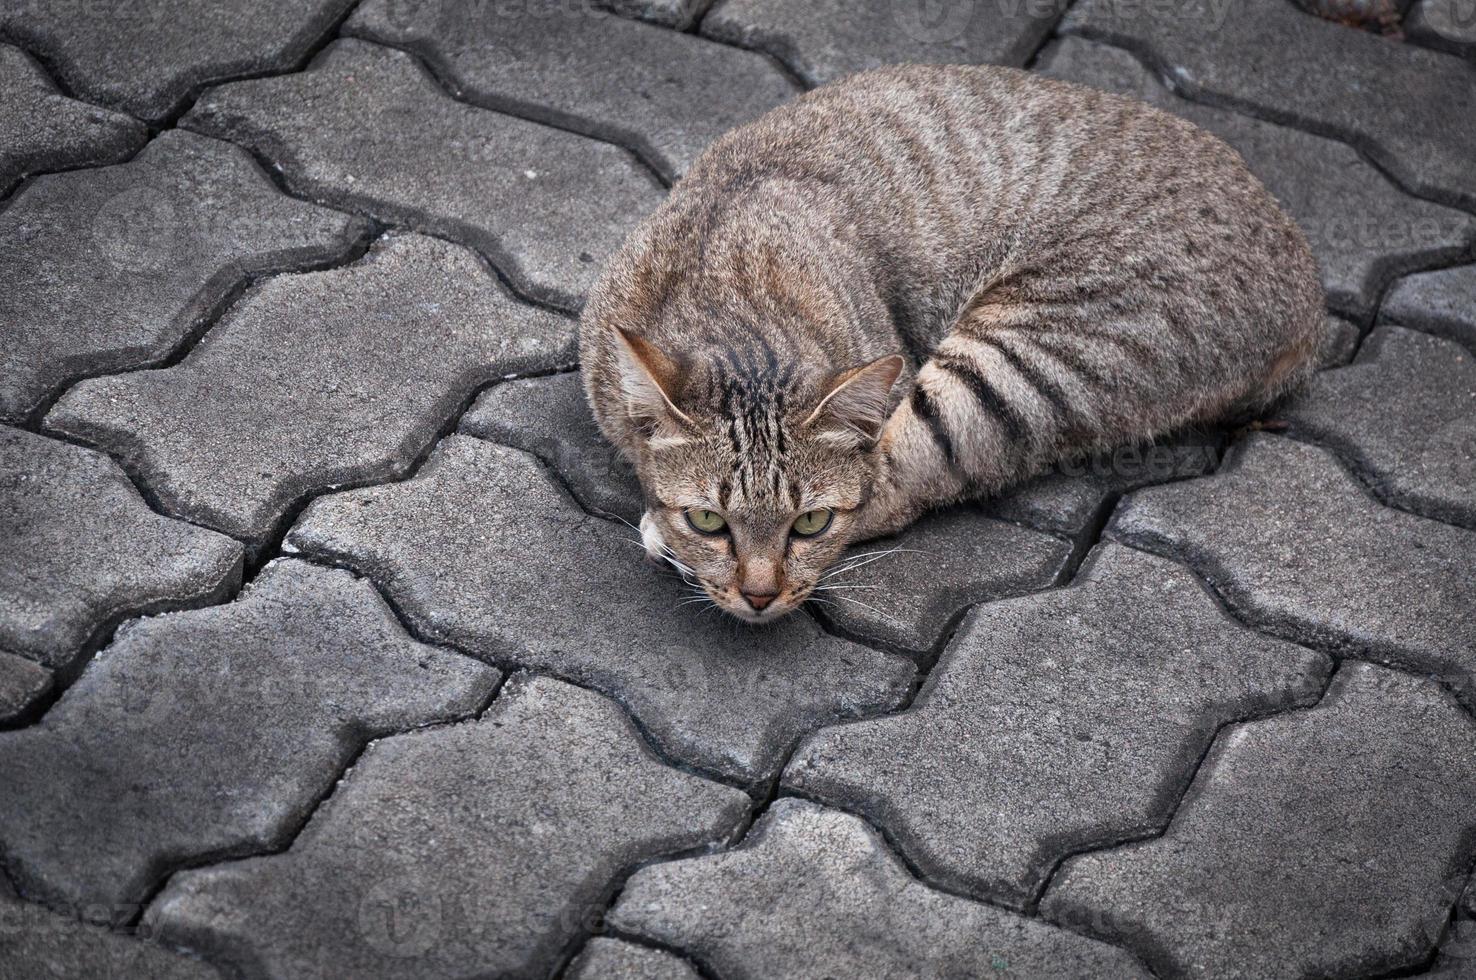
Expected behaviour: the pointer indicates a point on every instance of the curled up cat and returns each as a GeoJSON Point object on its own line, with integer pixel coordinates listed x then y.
{"type": "Point", "coordinates": [917, 286]}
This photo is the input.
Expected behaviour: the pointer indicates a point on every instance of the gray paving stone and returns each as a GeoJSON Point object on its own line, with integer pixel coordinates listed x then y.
{"type": "Point", "coordinates": [1339, 343]}
{"type": "Point", "coordinates": [214, 732]}
{"type": "Point", "coordinates": [1449, 25]}
{"type": "Point", "coordinates": [1328, 842]}
{"type": "Point", "coordinates": [608, 959]}
{"type": "Point", "coordinates": [316, 380]}
{"type": "Point", "coordinates": [1072, 499]}
{"type": "Point", "coordinates": [946, 562]}
{"type": "Point", "coordinates": [1293, 542]}
{"type": "Point", "coordinates": [365, 128]}
{"type": "Point", "coordinates": [486, 848]}
{"type": "Point", "coordinates": [663, 94]}
{"type": "Point", "coordinates": [1405, 415]}
{"type": "Point", "coordinates": [1054, 722]}
{"type": "Point", "coordinates": [481, 549]}
{"type": "Point", "coordinates": [38, 944]}
{"type": "Point", "coordinates": [823, 40]}
{"type": "Point", "coordinates": [22, 684]}
{"type": "Point", "coordinates": [146, 58]}
{"type": "Point", "coordinates": [815, 892]}
{"type": "Point", "coordinates": [80, 550]}
{"type": "Point", "coordinates": [110, 269]}
{"type": "Point", "coordinates": [1394, 102]}
{"type": "Point", "coordinates": [41, 129]}
{"type": "Point", "coordinates": [550, 418]}
{"type": "Point", "coordinates": [1363, 229]}
{"type": "Point", "coordinates": [680, 14]}
{"type": "Point", "coordinates": [1442, 302]}
{"type": "Point", "coordinates": [1457, 957]}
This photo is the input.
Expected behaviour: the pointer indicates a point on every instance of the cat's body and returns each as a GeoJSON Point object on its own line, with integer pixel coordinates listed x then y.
{"type": "Point", "coordinates": [1067, 270]}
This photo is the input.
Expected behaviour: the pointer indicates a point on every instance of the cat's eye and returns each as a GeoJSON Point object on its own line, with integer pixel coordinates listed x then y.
{"type": "Point", "coordinates": [706, 521]}
{"type": "Point", "coordinates": [812, 522]}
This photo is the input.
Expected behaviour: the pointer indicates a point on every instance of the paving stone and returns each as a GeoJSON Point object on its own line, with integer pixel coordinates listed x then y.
{"type": "Point", "coordinates": [663, 94]}
{"type": "Point", "coordinates": [1073, 498]}
{"type": "Point", "coordinates": [681, 14]}
{"type": "Point", "coordinates": [907, 600]}
{"type": "Point", "coordinates": [1363, 229]}
{"type": "Point", "coordinates": [1394, 102]}
{"type": "Point", "coordinates": [38, 944]}
{"type": "Point", "coordinates": [550, 418]}
{"type": "Point", "coordinates": [1293, 542]}
{"type": "Point", "coordinates": [1339, 343]}
{"type": "Point", "coordinates": [1054, 722]}
{"type": "Point", "coordinates": [146, 58]}
{"type": "Point", "coordinates": [484, 848]}
{"type": "Point", "coordinates": [1405, 415]}
{"type": "Point", "coordinates": [453, 547]}
{"type": "Point", "coordinates": [1449, 25]}
{"type": "Point", "coordinates": [1442, 302]}
{"type": "Point", "coordinates": [1457, 957]}
{"type": "Point", "coordinates": [815, 892]}
{"type": "Point", "coordinates": [316, 380]}
{"type": "Point", "coordinates": [80, 550]}
{"type": "Point", "coordinates": [367, 129]}
{"type": "Point", "coordinates": [823, 40]}
{"type": "Point", "coordinates": [214, 732]}
{"type": "Point", "coordinates": [22, 684]}
{"type": "Point", "coordinates": [106, 270]}
{"type": "Point", "coordinates": [41, 129]}
{"type": "Point", "coordinates": [1327, 842]}
{"type": "Point", "coordinates": [606, 959]}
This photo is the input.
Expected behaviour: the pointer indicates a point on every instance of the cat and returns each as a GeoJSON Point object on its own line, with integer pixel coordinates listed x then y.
{"type": "Point", "coordinates": [914, 287]}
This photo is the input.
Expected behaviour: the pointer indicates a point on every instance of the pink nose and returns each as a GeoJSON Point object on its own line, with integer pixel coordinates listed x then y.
{"type": "Point", "coordinates": [760, 601]}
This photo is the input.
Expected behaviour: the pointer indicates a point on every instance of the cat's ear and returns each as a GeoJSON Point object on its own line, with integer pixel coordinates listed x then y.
{"type": "Point", "coordinates": [856, 401]}
{"type": "Point", "coordinates": [647, 380]}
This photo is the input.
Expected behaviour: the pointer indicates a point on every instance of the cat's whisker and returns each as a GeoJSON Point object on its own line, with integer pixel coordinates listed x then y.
{"type": "Point", "coordinates": [858, 561]}
{"type": "Point", "coordinates": [863, 605]}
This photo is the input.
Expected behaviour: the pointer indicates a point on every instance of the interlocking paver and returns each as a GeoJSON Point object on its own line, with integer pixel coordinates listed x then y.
{"type": "Point", "coordinates": [316, 380]}
{"type": "Point", "coordinates": [1327, 842]}
{"type": "Point", "coordinates": [214, 732]}
{"type": "Point", "coordinates": [680, 14]}
{"type": "Point", "coordinates": [550, 418]}
{"type": "Point", "coordinates": [1395, 102]}
{"type": "Point", "coordinates": [79, 550]}
{"type": "Point", "coordinates": [483, 550]}
{"type": "Point", "coordinates": [367, 129]}
{"type": "Point", "coordinates": [146, 58]}
{"type": "Point", "coordinates": [1292, 540]}
{"type": "Point", "coordinates": [1405, 414]}
{"type": "Point", "coordinates": [109, 269]}
{"type": "Point", "coordinates": [1339, 342]}
{"type": "Point", "coordinates": [815, 892]}
{"type": "Point", "coordinates": [41, 129]}
{"type": "Point", "coordinates": [1072, 498]}
{"type": "Point", "coordinates": [1457, 958]}
{"type": "Point", "coordinates": [1443, 302]}
{"type": "Point", "coordinates": [1363, 229]}
{"type": "Point", "coordinates": [663, 94]}
{"type": "Point", "coordinates": [607, 959]}
{"type": "Point", "coordinates": [946, 562]}
{"type": "Point", "coordinates": [22, 684]}
{"type": "Point", "coordinates": [479, 849]}
{"type": "Point", "coordinates": [823, 40]}
{"type": "Point", "coordinates": [38, 944]}
{"type": "Point", "coordinates": [1056, 721]}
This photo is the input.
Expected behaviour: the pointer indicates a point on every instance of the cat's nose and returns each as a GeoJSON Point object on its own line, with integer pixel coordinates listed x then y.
{"type": "Point", "coordinates": [760, 600]}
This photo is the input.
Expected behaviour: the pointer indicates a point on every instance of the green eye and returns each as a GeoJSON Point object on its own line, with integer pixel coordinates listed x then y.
{"type": "Point", "coordinates": [812, 522]}
{"type": "Point", "coordinates": [706, 521]}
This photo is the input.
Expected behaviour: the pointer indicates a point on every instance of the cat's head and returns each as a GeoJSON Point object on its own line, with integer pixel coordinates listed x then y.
{"type": "Point", "coordinates": [753, 473]}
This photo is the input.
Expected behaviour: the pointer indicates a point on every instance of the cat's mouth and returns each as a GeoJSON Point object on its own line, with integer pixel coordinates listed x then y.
{"type": "Point", "coordinates": [732, 602]}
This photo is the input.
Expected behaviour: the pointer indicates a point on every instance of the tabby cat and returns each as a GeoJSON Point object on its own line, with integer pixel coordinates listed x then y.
{"type": "Point", "coordinates": [1071, 269]}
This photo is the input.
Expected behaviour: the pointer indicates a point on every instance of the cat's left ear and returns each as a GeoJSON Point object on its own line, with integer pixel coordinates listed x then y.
{"type": "Point", "coordinates": [857, 399]}
{"type": "Point", "coordinates": [648, 379]}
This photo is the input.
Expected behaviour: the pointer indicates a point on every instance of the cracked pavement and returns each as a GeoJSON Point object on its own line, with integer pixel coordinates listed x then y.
{"type": "Point", "coordinates": [325, 649]}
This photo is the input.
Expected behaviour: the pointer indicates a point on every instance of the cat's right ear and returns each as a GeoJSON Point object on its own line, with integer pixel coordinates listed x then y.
{"type": "Point", "coordinates": [647, 380]}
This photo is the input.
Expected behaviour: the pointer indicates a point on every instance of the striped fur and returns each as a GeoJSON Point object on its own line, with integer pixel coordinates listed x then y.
{"type": "Point", "coordinates": [1066, 271]}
